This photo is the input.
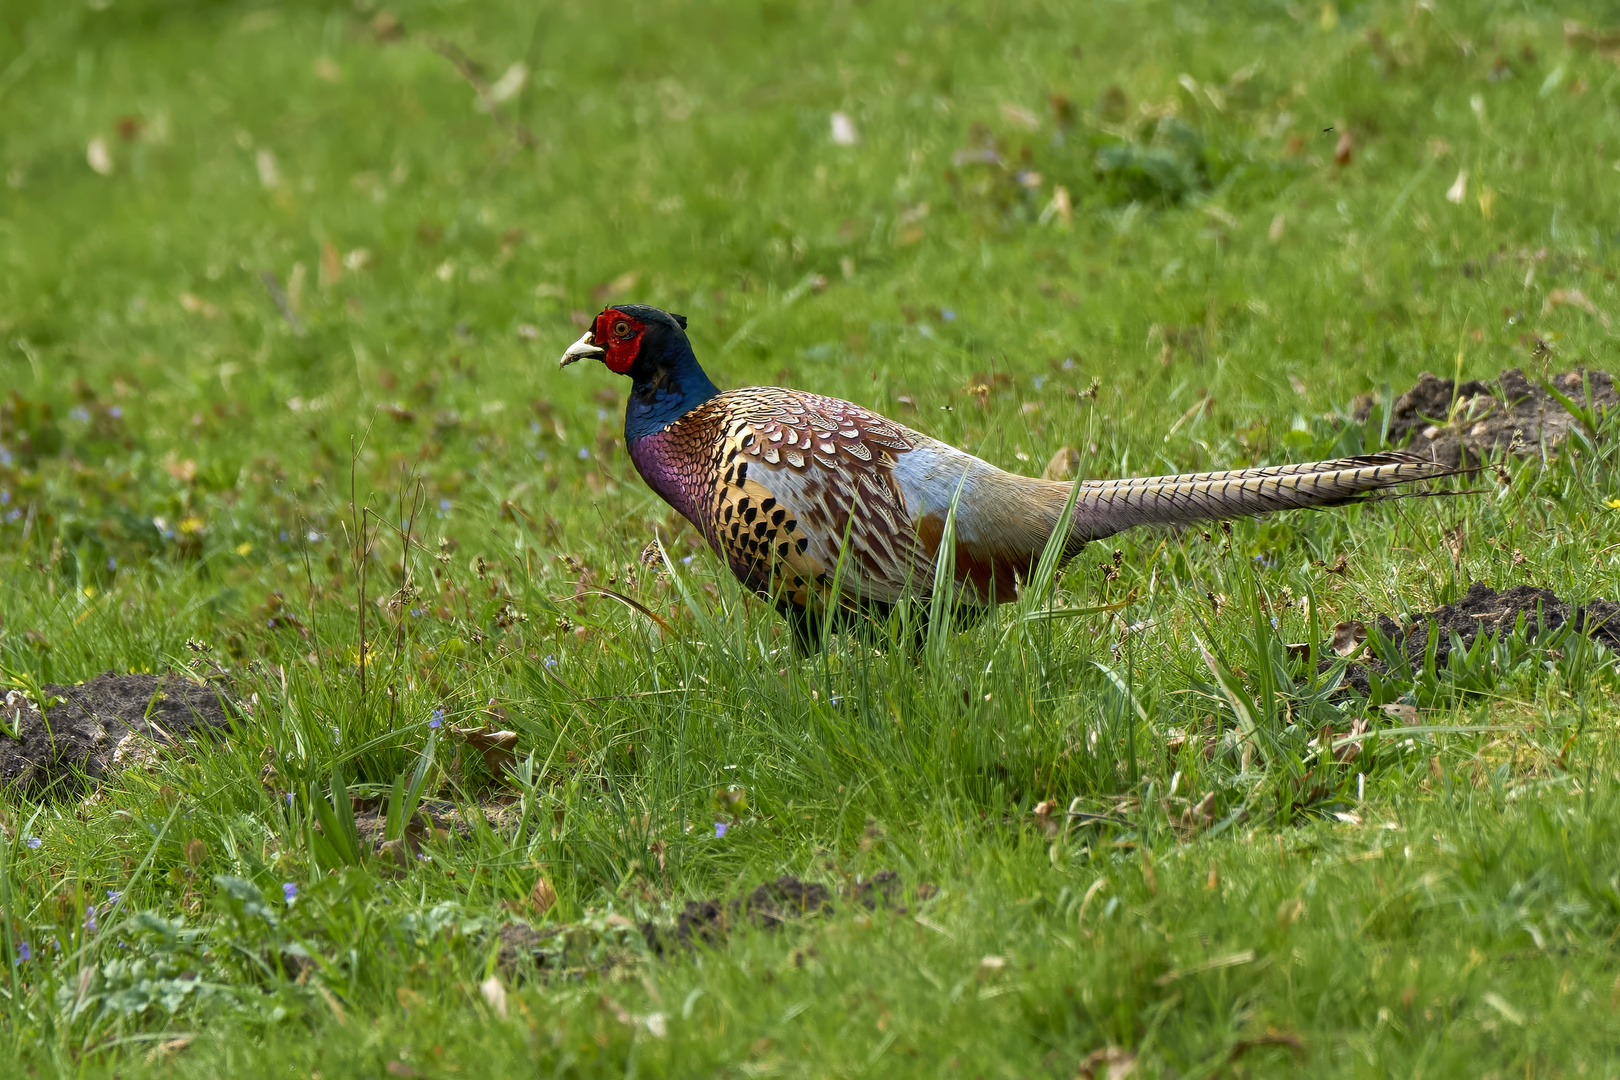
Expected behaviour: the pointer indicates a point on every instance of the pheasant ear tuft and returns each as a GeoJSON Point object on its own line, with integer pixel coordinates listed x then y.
{"type": "Point", "coordinates": [680, 320]}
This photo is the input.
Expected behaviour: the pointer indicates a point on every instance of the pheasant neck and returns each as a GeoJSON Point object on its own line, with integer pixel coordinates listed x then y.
{"type": "Point", "coordinates": [665, 388]}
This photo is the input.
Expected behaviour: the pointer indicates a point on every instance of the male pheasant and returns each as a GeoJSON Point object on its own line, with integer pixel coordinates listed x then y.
{"type": "Point", "coordinates": [787, 485]}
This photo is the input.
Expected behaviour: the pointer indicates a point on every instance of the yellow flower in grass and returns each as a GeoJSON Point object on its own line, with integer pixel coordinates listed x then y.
{"type": "Point", "coordinates": [192, 524]}
{"type": "Point", "coordinates": [1613, 504]}
{"type": "Point", "coordinates": [244, 548]}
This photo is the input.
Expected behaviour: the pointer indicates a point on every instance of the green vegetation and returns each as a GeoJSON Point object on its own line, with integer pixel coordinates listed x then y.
{"type": "Point", "coordinates": [256, 257]}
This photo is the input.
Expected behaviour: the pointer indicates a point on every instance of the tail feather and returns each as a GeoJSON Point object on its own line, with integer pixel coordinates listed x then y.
{"type": "Point", "coordinates": [1105, 507]}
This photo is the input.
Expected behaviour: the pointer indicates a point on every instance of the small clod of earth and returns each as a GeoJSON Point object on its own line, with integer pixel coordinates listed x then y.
{"type": "Point", "coordinates": [787, 901]}
{"type": "Point", "coordinates": [1484, 610]}
{"type": "Point", "coordinates": [88, 731]}
{"type": "Point", "coordinates": [1475, 422]}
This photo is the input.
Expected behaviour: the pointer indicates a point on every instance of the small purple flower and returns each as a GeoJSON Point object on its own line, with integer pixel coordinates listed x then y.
{"type": "Point", "coordinates": [34, 841]}
{"type": "Point", "coordinates": [416, 613]}
{"type": "Point", "coordinates": [116, 413]}
{"type": "Point", "coordinates": [719, 829]}
{"type": "Point", "coordinates": [551, 662]}
{"type": "Point", "coordinates": [436, 719]}
{"type": "Point", "coordinates": [584, 454]}
{"type": "Point", "coordinates": [948, 315]}
{"type": "Point", "coordinates": [90, 918]}
{"type": "Point", "coordinates": [24, 952]}
{"type": "Point", "coordinates": [289, 800]}
{"type": "Point", "coordinates": [5, 497]}
{"type": "Point", "coordinates": [112, 564]}
{"type": "Point", "coordinates": [289, 891]}
{"type": "Point", "coordinates": [687, 561]}
{"type": "Point", "coordinates": [444, 504]}
{"type": "Point", "coordinates": [283, 536]}
{"type": "Point", "coordinates": [114, 895]}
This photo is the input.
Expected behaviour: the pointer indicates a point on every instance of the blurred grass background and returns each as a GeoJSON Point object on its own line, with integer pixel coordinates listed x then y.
{"type": "Point", "coordinates": [254, 254]}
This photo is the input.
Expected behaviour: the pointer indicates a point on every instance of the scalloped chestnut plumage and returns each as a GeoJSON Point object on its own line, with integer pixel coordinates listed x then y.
{"type": "Point", "coordinates": [786, 486]}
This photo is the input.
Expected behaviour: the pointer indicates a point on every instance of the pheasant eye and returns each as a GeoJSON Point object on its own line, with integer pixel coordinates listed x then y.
{"type": "Point", "coordinates": [621, 328]}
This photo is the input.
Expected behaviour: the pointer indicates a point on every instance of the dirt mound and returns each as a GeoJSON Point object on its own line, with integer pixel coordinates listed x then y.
{"type": "Point", "coordinates": [1485, 611]}
{"type": "Point", "coordinates": [95, 728]}
{"type": "Point", "coordinates": [1478, 421]}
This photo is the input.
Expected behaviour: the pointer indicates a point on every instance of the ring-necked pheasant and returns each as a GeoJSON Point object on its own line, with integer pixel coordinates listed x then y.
{"type": "Point", "coordinates": [783, 484]}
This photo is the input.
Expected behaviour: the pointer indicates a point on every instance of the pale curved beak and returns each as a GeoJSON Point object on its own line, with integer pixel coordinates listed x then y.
{"type": "Point", "coordinates": [583, 349]}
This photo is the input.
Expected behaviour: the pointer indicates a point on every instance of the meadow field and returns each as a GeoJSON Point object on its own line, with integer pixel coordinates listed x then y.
{"type": "Point", "coordinates": [519, 781]}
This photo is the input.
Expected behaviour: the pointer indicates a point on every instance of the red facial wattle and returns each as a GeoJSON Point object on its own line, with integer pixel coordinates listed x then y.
{"type": "Point", "coordinates": [619, 336]}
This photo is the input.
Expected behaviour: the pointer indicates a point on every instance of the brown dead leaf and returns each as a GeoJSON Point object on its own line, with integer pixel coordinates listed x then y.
{"type": "Point", "coordinates": [1109, 1063]}
{"type": "Point", "coordinates": [1047, 818]}
{"type": "Point", "coordinates": [542, 898]}
{"type": "Point", "coordinates": [1348, 637]}
{"type": "Point", "coordinates": [183, 471]}
{"type": "Point", "coordinates": [395, 1067]}
{"type": "Point", "coordinates": [331, 265]}
{"type": "Point", "coordinates": [1062, 464]}
{"type": "Point", "coordinates": [1404, 714]}
{"type": "Point", "coordinates": [498, 747]}
{"type": "Point", "coordinates": [1344, 151]}
{"type": "Point", "coordinates": [196, 305]}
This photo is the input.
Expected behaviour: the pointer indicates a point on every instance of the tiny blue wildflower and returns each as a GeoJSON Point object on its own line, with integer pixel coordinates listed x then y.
{"type": "Point", "coordinates": [584, 454]}
{"type": "Point", "coordinates": [719, 829]}
{"type": "Point", "coordinates": [289, 798]}
{"type": "Point", "coordinates": [1274, 622]}
{"type": "Point", "coordinates": [444, 504]}
{"type": "Point", "coordinates": [34, 841]}
{"type": "Point", "coordinates": [116, 413]}
{"type": "Point", "coordinates": [5, 497]}
{"type": "Point", "coordinates": [112, 564]}
{"type": "Point", "coordinates": [948, 315]}
{"type": "Point", "coordinates": [289, 892]}
{"type": "Point", "coordinates": [283, 536]}
{"type": "Point", "coordinates": [416, 613]}
{"type": "Point", "coordinates": [687, 560]}
{"type": "Point", "coordinates": [436, 719]}
{"type": "Point", "coordinates": [24, 952]}
{"type": "Point", "coordinates": [551, 661]}
{"type": "Point", "coordinates": [534, 427]}
{"type": "Point", "coordinates": [90, 918]}
{"type": "Point", "coordinates": [114, 895]}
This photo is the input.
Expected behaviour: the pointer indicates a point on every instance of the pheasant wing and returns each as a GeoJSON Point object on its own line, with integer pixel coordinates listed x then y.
{"type": "Point", "coordinates": [807, 495]}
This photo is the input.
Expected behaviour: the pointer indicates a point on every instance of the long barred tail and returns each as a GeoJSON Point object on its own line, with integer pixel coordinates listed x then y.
{"type": "Point", "coordinates": [1105, 507]}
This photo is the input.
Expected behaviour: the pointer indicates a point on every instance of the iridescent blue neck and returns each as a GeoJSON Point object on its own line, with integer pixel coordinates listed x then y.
{"type": "Point", "coordinates": [666, 388]}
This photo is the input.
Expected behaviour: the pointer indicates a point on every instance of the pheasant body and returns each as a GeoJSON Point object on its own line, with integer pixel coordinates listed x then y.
{"type": "Point", "coordinates": [805, 495]}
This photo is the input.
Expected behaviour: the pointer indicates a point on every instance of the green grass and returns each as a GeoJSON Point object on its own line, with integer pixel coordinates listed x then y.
{"type": "Point", "coordinates": [179, 455]}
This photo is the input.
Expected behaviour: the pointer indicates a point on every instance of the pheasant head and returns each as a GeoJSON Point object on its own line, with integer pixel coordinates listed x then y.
{"type": "Point", "coordinates": [650, 346]}
{"type": "Point", "coordinates": [627, 333]}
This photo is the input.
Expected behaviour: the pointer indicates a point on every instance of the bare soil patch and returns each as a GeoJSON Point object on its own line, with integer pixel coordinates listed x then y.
{"type": "Point", "coordinates": [1484, 610]}
{"type": "Point", "coordinates": [1475, 422]}
{"type": "Point", "coordinates": [88, 731]}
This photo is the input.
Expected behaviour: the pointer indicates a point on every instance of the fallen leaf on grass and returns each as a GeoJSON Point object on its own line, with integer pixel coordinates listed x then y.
{"type": "Point", "coordinates": [494, 995]}
{"type": "Point", "coordinates": [1405, 714]}
{"type": "Point", "coordinates": [97, 156]}
{"type": "Point", "coordinates": [543, 897]}
{"type": "Point", "coordinates": [498, 747]}
{"type": "Point", "coordinates": [1110, 1063]}
{"type": "Point", "coordinates": [1348, 637]}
